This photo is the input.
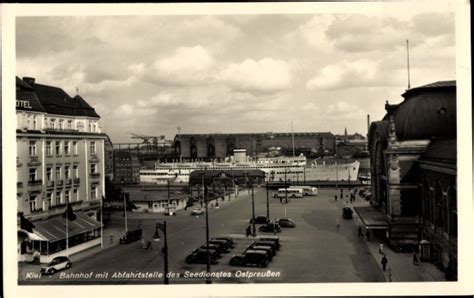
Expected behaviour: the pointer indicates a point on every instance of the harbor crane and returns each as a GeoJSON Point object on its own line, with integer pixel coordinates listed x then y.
{"type": "Point", "coordinates": [148, 139]}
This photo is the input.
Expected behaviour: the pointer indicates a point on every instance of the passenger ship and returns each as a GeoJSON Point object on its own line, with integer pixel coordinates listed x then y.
{"type": "Point", "coordinates": [276, 169]}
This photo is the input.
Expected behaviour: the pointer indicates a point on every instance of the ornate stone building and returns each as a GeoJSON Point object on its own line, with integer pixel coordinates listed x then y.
{"type": "Point", "coordinates": [413, 169]}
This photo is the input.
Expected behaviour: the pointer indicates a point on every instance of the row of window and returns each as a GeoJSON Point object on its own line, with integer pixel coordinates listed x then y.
{"type": "Point", "coordinates": [69, 172]}
{"type": "Point", "coordinates": [32, 122]}
{"type": "Point", "coordinates": [58, 148]}
{"type": "Point", "coordinates": [59, 198]}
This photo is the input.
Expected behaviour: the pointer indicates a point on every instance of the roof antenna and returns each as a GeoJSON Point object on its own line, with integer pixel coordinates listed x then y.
{"type": "Point", "coordinates": [408, 64]}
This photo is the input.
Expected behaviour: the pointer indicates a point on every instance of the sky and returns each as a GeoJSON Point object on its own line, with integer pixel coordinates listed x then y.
{"type": "Point", "coordinates": [237, 73]}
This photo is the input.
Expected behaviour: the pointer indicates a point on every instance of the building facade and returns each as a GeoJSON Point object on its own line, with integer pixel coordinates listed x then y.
{"type": "Point", "coordinates": [126, 167]}
{"type": "Point", "coordinates": [109, 158]}
{"type": "Point", "coordinates": [212, 146]}
{"type": "Point", "coordinates": [413, 170]}
{"type": "Point", "coordinates": [60, 161]}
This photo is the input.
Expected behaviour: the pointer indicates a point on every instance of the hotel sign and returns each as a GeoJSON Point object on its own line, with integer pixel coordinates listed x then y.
{"type": "Point", "coordinates": [25, 104]}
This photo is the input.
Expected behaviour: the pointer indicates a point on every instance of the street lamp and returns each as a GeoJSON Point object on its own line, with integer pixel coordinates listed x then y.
{"type": "Point", "coordinates": [124, 205]}
{"type": "Point", "coordinates": [164, 250]}
{"type": "Point", "coordinates": [208, 263]}
{"type": "Point", "coordinates": [253, 204]}
{"type": "Point", "coordinates": [268, 202]}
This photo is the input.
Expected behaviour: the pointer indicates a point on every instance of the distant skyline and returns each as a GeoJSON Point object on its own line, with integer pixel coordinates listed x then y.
{"type": "Point", "coordinates": [237, 73]}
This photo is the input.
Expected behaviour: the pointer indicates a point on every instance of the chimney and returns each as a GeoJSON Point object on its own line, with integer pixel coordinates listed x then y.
{"type": "Point", "coordinates": [29, 81]}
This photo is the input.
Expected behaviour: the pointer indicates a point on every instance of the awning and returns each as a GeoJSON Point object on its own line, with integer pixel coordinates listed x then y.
{"type": "Point", "coordinates": [30, 236]}
{"type": "Point", "coordinates": [54, 229]}
{"type": "Point", "coordinates": [372, 219]}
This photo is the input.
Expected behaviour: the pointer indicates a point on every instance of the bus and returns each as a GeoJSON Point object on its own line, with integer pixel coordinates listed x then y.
{"type": "Point", "coordinates": [307, 190]}
{"type": "Point", "coordinates": [289, 192]}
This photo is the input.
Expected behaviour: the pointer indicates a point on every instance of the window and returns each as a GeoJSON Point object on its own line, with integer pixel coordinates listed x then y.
{"type": "Point", "coordinates": [67, 148]}
{"type": "Point", "coordinates": [150, 205]}
{"type": "Point", "coordinates": [32, 203]}
{"type": "Point", "coordinates": [74, 147]}
{"type": "Point", "coordinates": [69, 124]}
{"type": "Point", "coordinates": [75, 171]}
{"type": "Point", "coordinates": [49, 149]}
{"type": "Point", "coordinates": [52, 124]}
{"type": "Point", "coordinates": [49, 173]}
{"type": "Point", "coordinates": [61, 123]}
{"type": "Point", "coordinates": [93, 168]}
{"type": "Point", "coordinates": [32, 174]}
{"type": "Point", "coordinates": [59, 198]}
{"type": "Point", "coordinates": [67, 195]}
{"type": "Point", "coordinates": [58, 173]}
{"type": "Point", "coordinates": [28, 122]}
{"type": "Point", "coordinates": [94, 192]}
{"type": "Point", "coordinates": [67, 172]}
{"type": "Point", "coordinates": [75, 194]}
{"type": "Point", "coordinates": [58, 147]}
{"type": "Point", "coordinates": [92, 148]}
{"type": "Point", "coordinates": [32, 148]}
{"type": "Point", "coordinates": [48, 200]}
{"type": "Point", "coordinates": [34, 123]}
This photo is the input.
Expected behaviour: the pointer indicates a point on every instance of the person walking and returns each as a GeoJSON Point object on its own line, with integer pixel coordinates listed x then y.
{"type": "Point", "coordinates": [359, 230]}
{"type": "Point", "coordinates": [384, 262]}
{"type": "Point", "coordinates": [335, 198]}
{"type": "Point", "coordinates": [415, 259]}
{"type": "Point", "coordinates": [248, 231]}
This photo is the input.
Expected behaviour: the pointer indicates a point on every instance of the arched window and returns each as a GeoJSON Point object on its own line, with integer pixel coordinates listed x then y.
{"type": "Point", "coordinates": [438, 201]}
{"type": "Point", "coordinates": [193, 147]}
{"type": "Point", "coordinates": [453, 212]}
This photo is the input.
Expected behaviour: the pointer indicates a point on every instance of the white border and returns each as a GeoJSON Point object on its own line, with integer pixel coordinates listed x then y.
{"type": "Point", "coordinates": [465, 204]}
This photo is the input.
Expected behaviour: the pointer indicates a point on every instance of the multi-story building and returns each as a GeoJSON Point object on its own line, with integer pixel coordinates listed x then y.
{"type": "Point", "coordinates": [60, 161]}
{"type": "Point", "coordinates": [126, 167]}
{"type": "Point", "coordinates": [109, 158]}
{"type": "Point", "coordinates": [211, 146]}
{"type": "Point", "coordinates": [414, 176]}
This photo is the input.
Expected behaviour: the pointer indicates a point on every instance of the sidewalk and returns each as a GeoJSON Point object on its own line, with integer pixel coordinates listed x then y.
{"type": "Point", "coordinates": [400, 266]}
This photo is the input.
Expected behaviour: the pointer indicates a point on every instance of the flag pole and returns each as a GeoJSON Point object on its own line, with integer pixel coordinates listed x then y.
{"type": "Point", "coordinates": [67, 229]}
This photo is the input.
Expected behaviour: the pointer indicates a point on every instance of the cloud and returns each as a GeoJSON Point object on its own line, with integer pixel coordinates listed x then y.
{"type": "Point", "coordinates": [265, 75]}
{"type": "Point", "coordinates": [344, 111]}
{"type": "Point", "coordinates": [185, 66]}
{"type": "Point", "coordinates": [347, 74]}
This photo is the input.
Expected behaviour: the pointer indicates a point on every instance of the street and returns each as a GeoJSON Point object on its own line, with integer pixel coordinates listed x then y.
{"type": "Point", "coordinates": [317, 250]}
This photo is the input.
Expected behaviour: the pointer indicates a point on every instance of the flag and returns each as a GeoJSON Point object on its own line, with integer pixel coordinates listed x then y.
{"type": "Point", "coordinates": [69, 213]}
{"type": "Point", "coordinates": [25, 224]}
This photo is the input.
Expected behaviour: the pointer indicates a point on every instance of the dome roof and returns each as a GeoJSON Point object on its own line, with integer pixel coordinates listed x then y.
{"type": "Point", "coordinates": [427, 111]}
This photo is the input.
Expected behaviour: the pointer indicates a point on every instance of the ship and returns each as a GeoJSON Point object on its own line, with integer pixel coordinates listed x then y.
{"type": "Point", "coordinates": [277, 169]}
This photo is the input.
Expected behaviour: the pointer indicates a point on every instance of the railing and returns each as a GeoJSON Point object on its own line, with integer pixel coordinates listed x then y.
{"type": "Point", "coordinates": [36, 211]}
{"type": "Point", "coordinates": [50, 184]}
{"type": "Point", "coordinates": [68, 181]}
{"type": "Point", "coordinates": [76, 180]}
{"type": "Point", "coordinates": [76, 203]}
{"type": "Point", "coordinates": [57, 206]}
{"type": "Point", "coordinates": [59, 183]}
{"type": "Point", "coordinates": [95, 175]}
{"type": "Point", "coordinates": [35, 182]}
{"type": "Point", "coordinates": [94, 202]}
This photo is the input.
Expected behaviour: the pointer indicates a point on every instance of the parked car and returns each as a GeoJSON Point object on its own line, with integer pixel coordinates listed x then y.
{"type": "Point", "coordinates": [347, 213]}
{"type": "Point", "coordinates": [250, 258]}
{"type": "Point", "coordinates": [131, 236]}
{"type": "Point", "coordinates": [259, 219]}
{"type": "Point", "coordinates": [273, 245]}
{"type": "Point", "coordinates": [227, 246]}
{"type": "Point", "coordinates": [273, 239]}
{"type": "Point", "coordinates": [268, 249]}
{"type": "Point", "coordinates": [270, 227]}
{"type": "Point", "coordinates": [199, 256]}
{"type": "Point", "coordinates": [230, 241]}
{"type": "Point", "coordinates": [56, 264]}
{"type": "Point", "coordinates": [197, 211]}
{"type": "Point", "coordinates": [219, 247]}
{"type": "Point", "coordinates": [286, 222]}
{"type": "Point", "coordinates": [265, 249]}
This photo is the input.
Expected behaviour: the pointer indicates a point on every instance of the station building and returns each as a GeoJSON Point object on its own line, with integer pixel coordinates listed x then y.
{"type": "Point", "coordinates": [414, 176]}
{"type": "Point", "coordinates": [60, 161]}
{"type": "Point", "coordinates": [218, 146]}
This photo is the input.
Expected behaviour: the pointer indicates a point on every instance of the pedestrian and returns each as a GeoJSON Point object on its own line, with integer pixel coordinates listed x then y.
{"type": "Point", "coordinates": [248, 231]}
{"type": "Point", "coordinates": [415, 259]}
{"type": "Point", "coordinates": [337, 222]}
{"type": "Point", "coordinates": [381, 249]}
{"type": "Point", "coordinates": [335, 198]}
{"type": "Point", "coordinates": [384, 262]}
{"type": "Point", "coordinates": [111, 238]}
{"type": "Point", "coordinates": [359, 230]}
